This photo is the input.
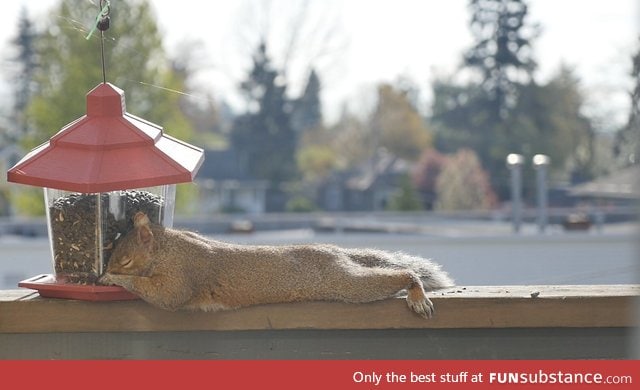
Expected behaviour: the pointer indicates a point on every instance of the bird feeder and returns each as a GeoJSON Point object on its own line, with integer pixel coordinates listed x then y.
{"type": "Point", "coordinates": [97, 172]}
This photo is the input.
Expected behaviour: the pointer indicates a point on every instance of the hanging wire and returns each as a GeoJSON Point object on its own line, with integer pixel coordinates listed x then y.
{"type": "Point", "coordinates": [102, 23]}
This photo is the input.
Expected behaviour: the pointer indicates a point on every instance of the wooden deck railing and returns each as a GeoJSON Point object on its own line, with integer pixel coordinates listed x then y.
{"type": "Point", "coordinates": [482, 322]}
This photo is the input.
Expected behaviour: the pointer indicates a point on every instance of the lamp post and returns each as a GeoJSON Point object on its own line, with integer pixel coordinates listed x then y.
{"type": "Point", "coordinates": [541, 163]}
{"type": "Point", "coordinates": [514, 163]}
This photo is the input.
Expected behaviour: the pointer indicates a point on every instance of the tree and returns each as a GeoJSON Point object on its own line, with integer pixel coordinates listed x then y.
{"type": "Point", "coordinates": [478, 115]}
{"type": "Point", "coordinates": [397, 125]}
{"type": "Point", "coordinates": [463, 184]}
{"type": "Point", "coordinates": [351, 140]}
{"type": "Point", "coordinates": [263, 136]}
{"type": "Point", "coordinates": [26, 61]}
{"type": "Point", "coordinates": [405, 198]}
{"type": "Point", "coordinates": [627, 143]}
{"type": "Point", "coordinates": [307, 109]}
{"type": "Point", "coordinates": [549, 120]}
{"type": "Point", "coordinates": [70, 66]}
{"type": "Point", "coordinates": [301, 35]}
{"type": "Point", "coordinates": [316, 161]}
{"type": "Point", "coordinates": [460, 117]}
{"type": "Point", "coordinates": [546, 119]}
{"type": "Point", "coordinates": [502, 52]}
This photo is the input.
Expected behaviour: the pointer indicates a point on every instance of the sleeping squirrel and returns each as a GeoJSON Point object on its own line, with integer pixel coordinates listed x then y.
{"type": "Point", "coordinates": [175, 269]}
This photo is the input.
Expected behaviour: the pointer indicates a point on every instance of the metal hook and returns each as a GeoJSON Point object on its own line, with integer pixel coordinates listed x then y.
{"type": "Point", "coordinates": [103, 22]}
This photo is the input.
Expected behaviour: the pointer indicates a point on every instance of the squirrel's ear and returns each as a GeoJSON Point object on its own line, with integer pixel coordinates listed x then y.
{"type": "Point", "coordinates": [140, 219]}
{"type": "Point", "coordinates": [145, 235]}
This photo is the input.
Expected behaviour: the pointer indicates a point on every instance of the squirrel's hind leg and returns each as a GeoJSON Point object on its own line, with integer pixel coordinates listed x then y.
{"type": "Point", "coordinates": [372, 284]}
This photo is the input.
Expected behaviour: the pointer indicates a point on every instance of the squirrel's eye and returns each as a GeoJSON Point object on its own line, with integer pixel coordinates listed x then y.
{"type": "Point", "coordinates": [125, 261]}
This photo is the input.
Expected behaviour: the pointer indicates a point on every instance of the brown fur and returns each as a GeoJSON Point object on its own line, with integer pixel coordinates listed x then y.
{"type": "Point", "coordinates": [175, 269]}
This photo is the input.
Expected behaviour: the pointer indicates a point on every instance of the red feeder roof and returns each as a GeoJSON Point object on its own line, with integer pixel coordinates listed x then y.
{"type": "Point", "coordinates": [106, 150]}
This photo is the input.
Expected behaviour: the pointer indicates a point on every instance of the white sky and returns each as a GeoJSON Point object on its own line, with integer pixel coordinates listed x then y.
{"type": "Point", "coordinates": [380, 40]}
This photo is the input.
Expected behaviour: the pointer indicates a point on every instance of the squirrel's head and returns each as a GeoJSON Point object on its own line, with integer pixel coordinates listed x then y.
{"type": "Point", "coordinates": [132, 252]}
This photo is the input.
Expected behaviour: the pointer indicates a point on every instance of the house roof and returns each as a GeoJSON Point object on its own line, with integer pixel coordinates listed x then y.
{"type": "Point", "coordinates": [621, 184]}
{"type": "Point", "coordinates": [383, 164]}
{"type": "Point", "coordinates": [222, 165]}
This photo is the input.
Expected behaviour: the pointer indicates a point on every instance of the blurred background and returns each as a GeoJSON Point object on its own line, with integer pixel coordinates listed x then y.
{"type": "Point", "coordinates": [363, 123]}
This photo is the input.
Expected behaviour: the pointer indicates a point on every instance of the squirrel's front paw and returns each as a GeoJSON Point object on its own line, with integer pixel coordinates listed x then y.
{"type": "Point", "coordinates": [419, 303]}
{"type": "Point", "coordinates": [106, 280]}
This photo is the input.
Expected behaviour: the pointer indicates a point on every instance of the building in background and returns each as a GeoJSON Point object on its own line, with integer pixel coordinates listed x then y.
{"type": "Point", "coordinates": [225, 186]}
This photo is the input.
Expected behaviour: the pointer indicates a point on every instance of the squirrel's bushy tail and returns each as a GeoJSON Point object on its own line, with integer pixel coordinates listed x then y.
{"type": "Point", "coordinates": [431, 273]}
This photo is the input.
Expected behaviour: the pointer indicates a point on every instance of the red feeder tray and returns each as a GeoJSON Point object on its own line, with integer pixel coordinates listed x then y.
{"type": "Point", "coordinates": [48, 287]}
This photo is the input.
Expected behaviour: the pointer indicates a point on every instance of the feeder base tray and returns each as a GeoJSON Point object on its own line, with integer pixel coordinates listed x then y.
{"type": "Point", "coordinates": [48, 287]}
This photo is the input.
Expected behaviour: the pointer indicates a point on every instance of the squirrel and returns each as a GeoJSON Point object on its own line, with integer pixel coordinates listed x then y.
{"type": "Point", "coordinates": [175, 269]}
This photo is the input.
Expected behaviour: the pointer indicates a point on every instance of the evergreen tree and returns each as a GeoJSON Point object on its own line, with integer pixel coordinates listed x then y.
{"type": "Point", "coordinates": [26, 61]}
{"type": "Point", "coordinates": [307, 110]}
{"type": "Point", "coordinates": [460, 118]}
{"type": "Point", "coordinates": [263, 136]}
{"type": "Point", "coordinates": [506, 111]}
{"type": "Point", "coordinates": [405, 198]}
{"type": "Point", "coordinates": [502, 52]}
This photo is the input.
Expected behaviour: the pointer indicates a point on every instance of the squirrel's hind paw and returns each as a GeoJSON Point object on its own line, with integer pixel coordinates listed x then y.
{"type": "Point", "coordinates": [422, 306]}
